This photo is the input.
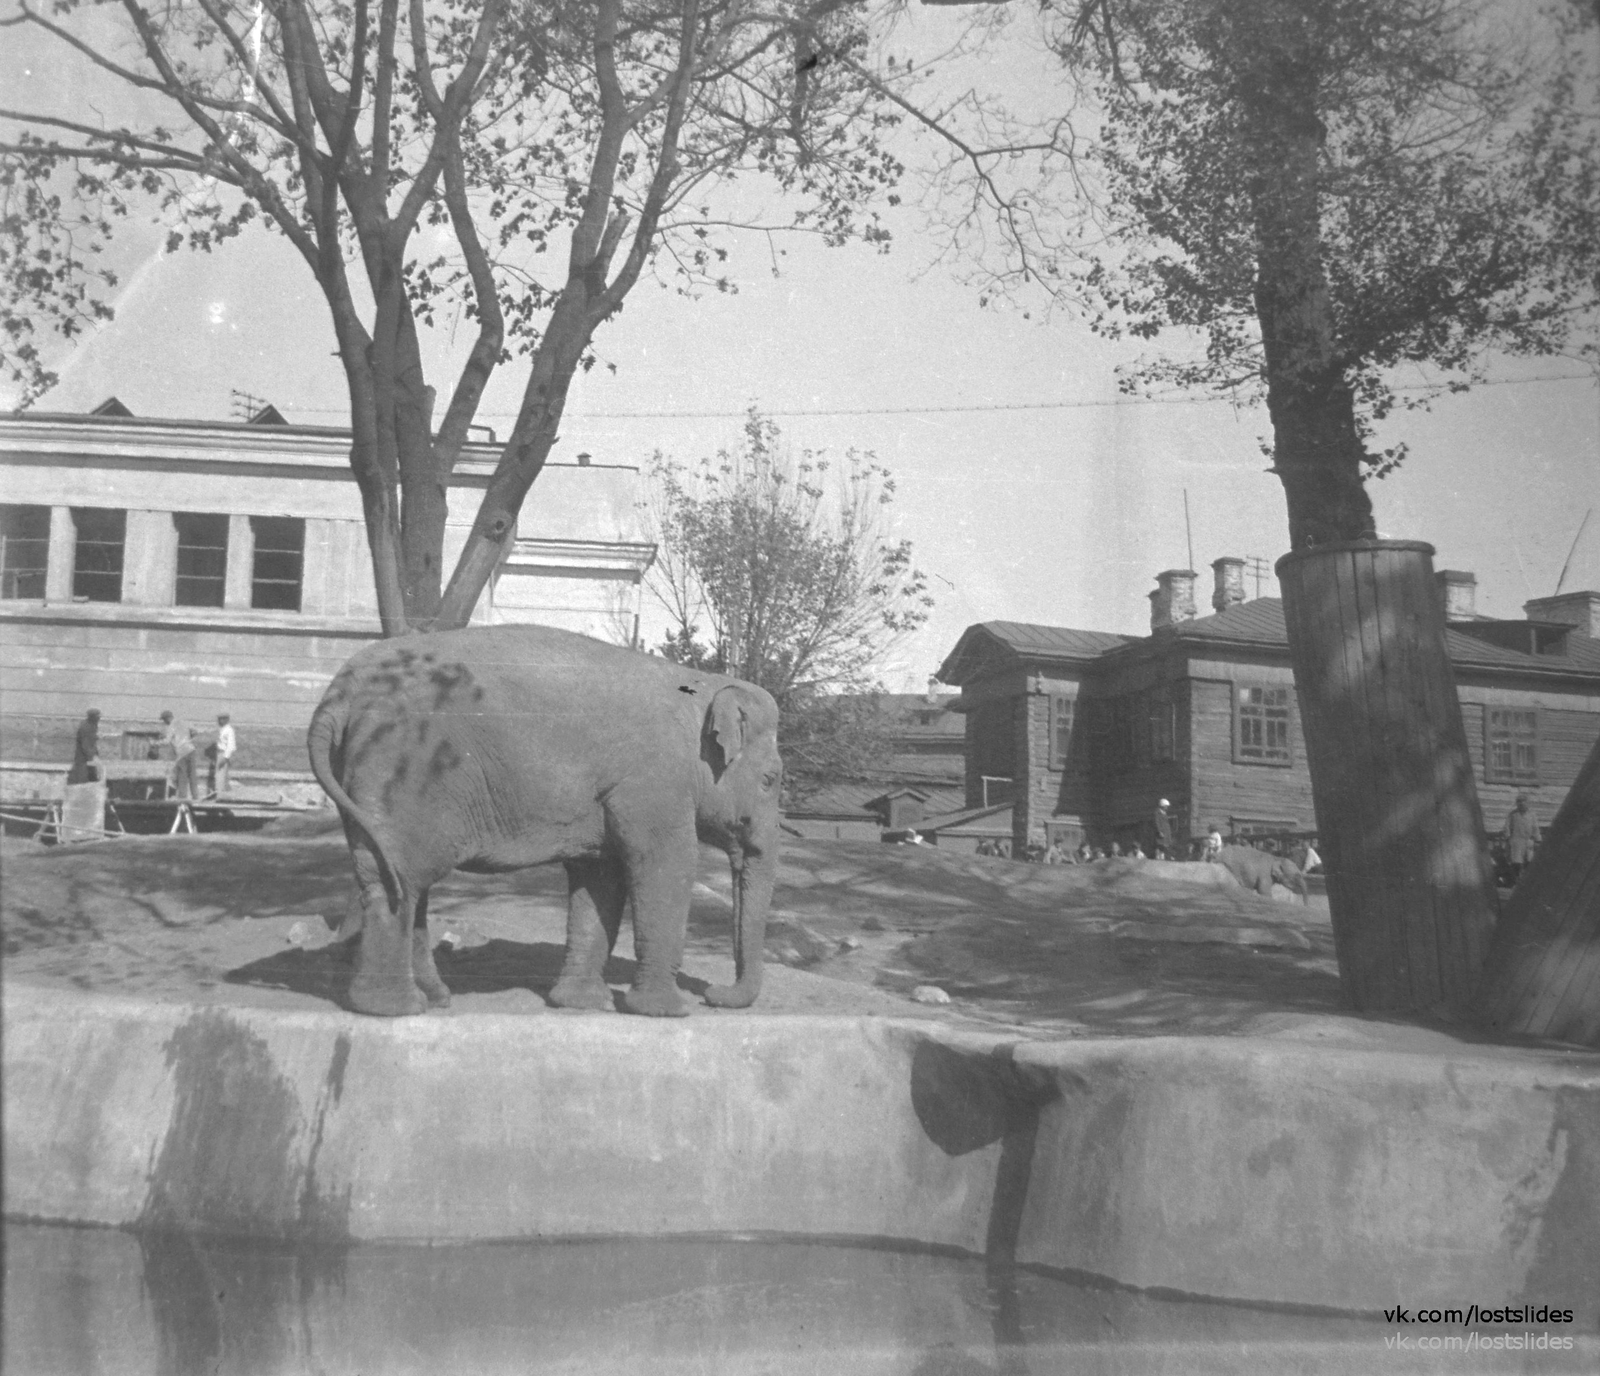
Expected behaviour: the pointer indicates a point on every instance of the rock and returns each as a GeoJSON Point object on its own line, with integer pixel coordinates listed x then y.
{"type": "Point", "coordinates": [929, 993]}
{"type": "Point", "coordinates": [871, 924]}
{"type": "Point", "coordinates": [450, 941]}
{"type": "Point", "coordinates": [297, 934]}
{"type": "Point", "coordinates": [850, 943]}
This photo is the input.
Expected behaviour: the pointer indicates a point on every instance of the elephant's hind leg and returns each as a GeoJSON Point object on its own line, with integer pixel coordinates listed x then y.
{"type": "Point", "coordinates": [595, 898]}
{"type": "Point", "coordinates": [383, 983]}
{"type": "Point", "coordinates": [423, 970]}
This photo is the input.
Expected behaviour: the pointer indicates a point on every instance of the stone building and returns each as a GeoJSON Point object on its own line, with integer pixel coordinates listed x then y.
{"type": "Point", "coordinates": [205, 567]}
{"type": "Point", "coordinates": [1087, 731]}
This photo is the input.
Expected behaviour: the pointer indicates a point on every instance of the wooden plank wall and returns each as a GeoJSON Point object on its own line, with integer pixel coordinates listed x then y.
{"type": "Point", "coordinates": [1224, 788]}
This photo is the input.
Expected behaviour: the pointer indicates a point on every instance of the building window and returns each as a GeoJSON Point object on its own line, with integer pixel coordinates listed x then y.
{"type": "Point", "coordinates": [97, 554]}
{"type": "Point", "coordinates": [1121, 737]}
{"type": "Point", "coordinates": [1511, 745]}
{"type": "Point", "coordinates": [1261, 725]}
{"type": "Point", "coordinates": [1262, 826]}
{"type": "Point", "coordinates": [202, 559]}
{"type": "Point", "coordinates": [280, 555]}
{"type": "Point", "coordinates": [993, 738]}
{"type": "Point", "coordinates": [1163, 727]}
{"type": "Point", "coordinates": [1060, 729]}
{"type": "Point", "coordinates": [24, 550]}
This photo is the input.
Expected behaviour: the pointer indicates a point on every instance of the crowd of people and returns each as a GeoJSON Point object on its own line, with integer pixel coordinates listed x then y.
{"type": "Point", "coordinates": [1208, 847]}
{"type": "Point", "coordinates": [182, 747]}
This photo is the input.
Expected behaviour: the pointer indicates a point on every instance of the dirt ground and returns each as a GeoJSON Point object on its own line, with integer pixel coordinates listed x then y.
{"type": "Point", "coordinates": [1117, 947]}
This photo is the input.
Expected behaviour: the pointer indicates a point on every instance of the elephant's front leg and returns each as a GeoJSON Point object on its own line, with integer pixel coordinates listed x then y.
{"type": "Point", "coordinates": [425, 972]}
{"type": "Point", "coordinates": [383, 983]}
{"type": "Point", "coordinates": [660, 878]}
{"type": "Point", "coordinates": [595, 898]}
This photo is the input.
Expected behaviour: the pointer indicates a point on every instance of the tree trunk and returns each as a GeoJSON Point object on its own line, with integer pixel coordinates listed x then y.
{"type": "Point", "coordinates": [523, 458]}
{"type": "Point", "coordinates": [1398, 823]}
{"type": "Point", "coordinates": [1543, 975]}
{"type": "Point", "coordinates": [1409, 889]}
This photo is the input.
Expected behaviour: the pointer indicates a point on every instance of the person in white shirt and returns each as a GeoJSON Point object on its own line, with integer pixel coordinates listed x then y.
{"type": "Point", "coordinates": [222, 761]}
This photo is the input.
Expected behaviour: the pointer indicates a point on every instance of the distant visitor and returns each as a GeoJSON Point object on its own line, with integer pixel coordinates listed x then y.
{"type": "Point", "coordinates": [221, 753]}
{"type": "Point", "coordinates": [180, 741]}
{"type": "Point", "coordinates": [1521, 835]}
{"type": "Point", "coordinates": [86, 767]}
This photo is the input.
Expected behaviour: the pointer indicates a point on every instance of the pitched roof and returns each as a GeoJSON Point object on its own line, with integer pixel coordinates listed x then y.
{"type": "Point", "coordinates": [1259, 623]}
{"type": "Point", "coordinates": [1022, 640]}
{"type": "Point", "coordinates": [850, 799]}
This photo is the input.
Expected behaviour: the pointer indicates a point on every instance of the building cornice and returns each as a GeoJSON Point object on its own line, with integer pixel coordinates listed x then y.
{"type": "Point", "coordinates": [289, 449]}
{"type": "Point", "coordinates": [601, 556]}
{"type": "Point", "coordinates": [189, 618]}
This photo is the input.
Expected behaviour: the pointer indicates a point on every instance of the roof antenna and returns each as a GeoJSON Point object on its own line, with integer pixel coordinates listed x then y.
{"type": "Point", "coordinates": [1187, 529]}
{"type": "Point", "coordinates": [1572, 551]}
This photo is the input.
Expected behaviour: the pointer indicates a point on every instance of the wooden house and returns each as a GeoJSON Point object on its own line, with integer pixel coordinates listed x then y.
{"type": "Point", "coordinates": [1088, 731]}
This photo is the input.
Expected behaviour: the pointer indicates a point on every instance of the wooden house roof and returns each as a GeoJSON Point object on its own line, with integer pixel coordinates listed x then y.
{"type": "Point", "coordinates": [853, 800]}
{"type": "Point", "coordinates": [1259, 625]}
{"type": "Point", "coordinates": [993, 645]}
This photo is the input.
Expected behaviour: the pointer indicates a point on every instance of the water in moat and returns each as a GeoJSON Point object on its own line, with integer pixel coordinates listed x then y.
{"type": "Point", "coordinates": [81, 1300]}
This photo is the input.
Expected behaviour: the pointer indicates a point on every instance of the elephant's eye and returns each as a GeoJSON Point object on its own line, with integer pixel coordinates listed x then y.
{"type": "Point", "coordinates": [769, 779]}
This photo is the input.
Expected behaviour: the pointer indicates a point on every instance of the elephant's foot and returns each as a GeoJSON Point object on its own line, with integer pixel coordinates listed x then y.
{"type": "Point", "coordinates": [656, 1003]}
{"type": "Point", "coordinates": [437, 993]}
{"type": "Point", "coordinates": [740, 995]}
{"type": "Point", "coordinates": [572, 991]}
{"type": "Point", "coordinates": [386, 999]}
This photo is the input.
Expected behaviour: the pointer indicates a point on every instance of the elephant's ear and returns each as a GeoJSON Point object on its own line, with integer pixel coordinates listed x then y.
{"type": "Point", "coordinates": [728, 724]}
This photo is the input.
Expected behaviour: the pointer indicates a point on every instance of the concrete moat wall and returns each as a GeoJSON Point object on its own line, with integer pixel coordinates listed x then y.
{"type": "Point", "coordinates": [1259, 1170]}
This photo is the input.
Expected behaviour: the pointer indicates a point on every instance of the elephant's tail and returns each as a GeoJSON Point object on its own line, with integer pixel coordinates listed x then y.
{"type": "Point", "coordinates": [326, 731]}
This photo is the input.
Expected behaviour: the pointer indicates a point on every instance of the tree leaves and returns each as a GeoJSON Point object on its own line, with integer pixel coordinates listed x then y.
{"type": "Point", "coordinates": [786, 563]}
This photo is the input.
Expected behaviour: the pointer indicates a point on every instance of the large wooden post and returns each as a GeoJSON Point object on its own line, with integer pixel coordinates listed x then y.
{"type": "Point", "coordinates": [1543, 975]}
{"type": "Point", "coordinates": [1410, 889]}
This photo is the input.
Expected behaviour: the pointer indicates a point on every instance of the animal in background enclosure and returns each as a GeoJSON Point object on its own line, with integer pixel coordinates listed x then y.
{"type": "Point", "coordinates": [1260, 870]}
{"type": "Point", "coordinates": [496, 748]}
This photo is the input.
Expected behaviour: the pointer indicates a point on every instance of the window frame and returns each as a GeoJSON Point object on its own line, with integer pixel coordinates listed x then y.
{"type": "Point", "coordinates": [81, 545]}
{"type": "Point", "coordinates": [1511, 773]}
{"type": "Point", "coordinates": [179, 577]}
{"type": "Point", "coordinates": [258, 524]}
{"type": "Point", "coordinates": [1063, 710]}
{"type": "Point", "coordinates": [1265, 754]}
{"type": "Point", "coordinates": [1161, 726]}
{"type": "Point", "coordinates": [12, 574]}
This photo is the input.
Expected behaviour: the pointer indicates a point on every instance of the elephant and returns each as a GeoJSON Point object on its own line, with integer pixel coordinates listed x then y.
{"type": "Point", "coordinates": [494, 748]}
{"type": "Point", "coordinates": [1259, 870]}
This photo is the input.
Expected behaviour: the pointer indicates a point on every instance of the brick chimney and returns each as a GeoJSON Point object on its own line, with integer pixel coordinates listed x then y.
{"type": "Point", "coordinates": [1459, 593]}
{"type": "Point", "coordinates": [1173, 600]}
{"type": "Point", "coordinates": [1229, 590]}
{"type": "Point", "coordinates": [1580, 610]}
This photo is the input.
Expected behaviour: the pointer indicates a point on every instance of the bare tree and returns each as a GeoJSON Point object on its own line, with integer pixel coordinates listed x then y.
{"type": "Point", "coordinates": [347, 126]}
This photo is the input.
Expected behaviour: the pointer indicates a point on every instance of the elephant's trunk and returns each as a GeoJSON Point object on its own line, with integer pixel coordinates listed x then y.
{"type": "Point", "coordinates": [753, 878]}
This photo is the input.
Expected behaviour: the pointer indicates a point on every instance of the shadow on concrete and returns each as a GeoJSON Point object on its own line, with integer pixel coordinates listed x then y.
{"type": "Point", "coordinates": [966, 1101]}
{"type": "Point", "coordinates": [491, 968]}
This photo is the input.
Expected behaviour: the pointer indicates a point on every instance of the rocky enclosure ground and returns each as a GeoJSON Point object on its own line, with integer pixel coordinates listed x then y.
{"type": "Point", "coordinates": [1119, 947]}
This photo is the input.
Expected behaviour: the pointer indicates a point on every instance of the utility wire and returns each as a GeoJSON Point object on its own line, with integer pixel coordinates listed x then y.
{"type": "Point", "coordinates": [1186, 399]}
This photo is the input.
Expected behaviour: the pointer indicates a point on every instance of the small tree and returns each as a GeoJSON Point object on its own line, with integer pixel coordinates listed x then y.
{"type": "Point", "coordinates": [349, 125]}
{"type": "Point", "coordinates": [787, 566]}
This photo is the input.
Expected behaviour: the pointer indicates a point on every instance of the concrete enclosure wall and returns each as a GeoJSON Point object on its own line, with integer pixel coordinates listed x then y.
{"type": "Point", "coordinates": [1259, 1170]}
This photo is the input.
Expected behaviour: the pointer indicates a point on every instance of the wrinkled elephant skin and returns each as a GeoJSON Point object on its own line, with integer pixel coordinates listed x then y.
{"type": "Point", "coordinates": [496, 748]}
{"type": "Point", "coordinates": [1259, 870]}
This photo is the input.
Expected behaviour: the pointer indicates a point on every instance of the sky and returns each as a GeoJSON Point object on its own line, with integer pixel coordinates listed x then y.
{"type": "Point", "coordinates": [1031, 490]}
